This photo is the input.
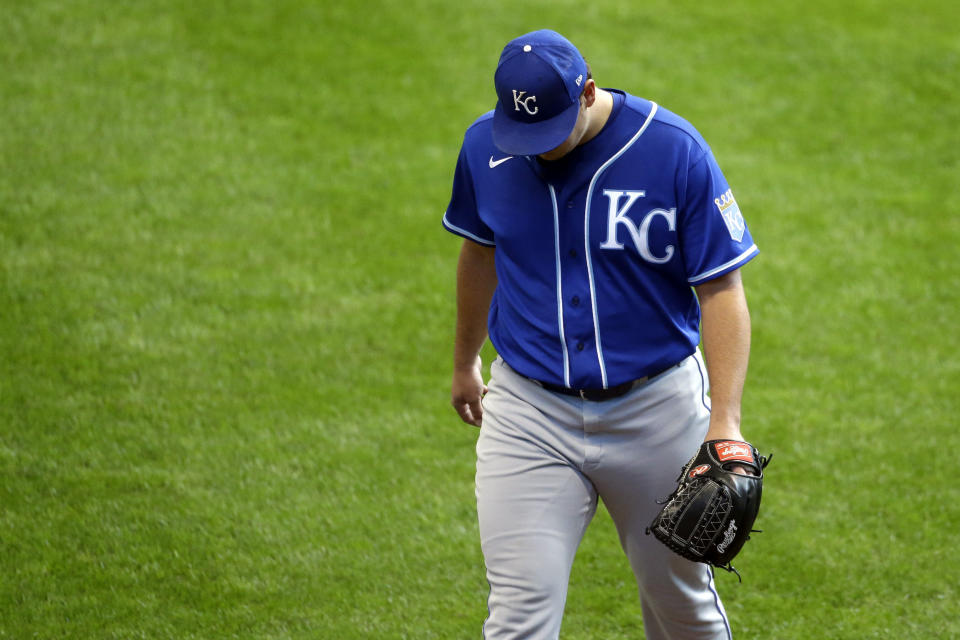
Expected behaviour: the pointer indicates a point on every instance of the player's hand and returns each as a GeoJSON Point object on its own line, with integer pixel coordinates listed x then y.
{"type": "Point", "coordinates": [742, 470]}
{"type": "Point", "coordinates": [727, 431]}
{"type": "Point", "coordinates": [466, 392]}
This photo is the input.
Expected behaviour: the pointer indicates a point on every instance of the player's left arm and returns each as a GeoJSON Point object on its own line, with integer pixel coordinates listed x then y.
{"type": "Point", "coordinates": [725, 328]}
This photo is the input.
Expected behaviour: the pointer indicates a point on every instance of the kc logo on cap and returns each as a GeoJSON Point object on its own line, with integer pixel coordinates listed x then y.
{"type": "Point", "coordinates": [538, 81]}
{"type": "Point", "coordinates": [519, 100]}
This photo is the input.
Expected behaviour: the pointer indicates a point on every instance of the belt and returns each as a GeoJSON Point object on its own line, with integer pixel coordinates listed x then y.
{"type": "Point", "coordinates": [599, 395]}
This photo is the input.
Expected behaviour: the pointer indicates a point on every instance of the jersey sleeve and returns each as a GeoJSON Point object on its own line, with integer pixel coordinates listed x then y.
{"type": "Point", "coordinates": [462, 216]}
{"type": "Point", "coordinates": [715, 238]}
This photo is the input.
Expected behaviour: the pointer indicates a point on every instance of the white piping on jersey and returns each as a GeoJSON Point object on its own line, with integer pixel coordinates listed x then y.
{"type": "Point", "coordinates": [726, 265]}
{"type": "Point", "coordinates": [586, 238]}
{"type": "Point", "coordinates": [556, 248]}
{"type": "Point", "coordinates": [465, 233]}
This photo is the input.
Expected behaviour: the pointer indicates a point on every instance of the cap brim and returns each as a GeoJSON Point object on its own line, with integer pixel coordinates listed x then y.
{"type": "Point", "coordinates": [530, 139]}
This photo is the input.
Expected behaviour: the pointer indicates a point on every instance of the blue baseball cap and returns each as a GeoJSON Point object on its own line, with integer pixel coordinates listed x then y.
{"type": "Point", "coordinates": [539, 79]}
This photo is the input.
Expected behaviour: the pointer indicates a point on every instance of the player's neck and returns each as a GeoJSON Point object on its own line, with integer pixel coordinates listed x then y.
{"type": "Point", "coordinates": [599, 113]}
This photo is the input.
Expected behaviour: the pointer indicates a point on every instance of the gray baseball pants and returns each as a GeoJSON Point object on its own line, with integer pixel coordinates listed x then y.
{"type": "Point", "coordinates": [544, 458]}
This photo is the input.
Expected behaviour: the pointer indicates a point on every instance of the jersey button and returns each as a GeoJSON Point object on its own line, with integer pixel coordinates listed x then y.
{"type": "Point", "coordinates": [580, 346]}
{"type": "Point", "coordinates": [569, 204]}
{"type": "Point", "coordinates": [573, 253]}
{"type": "Point", "coordinates": [575, 301]}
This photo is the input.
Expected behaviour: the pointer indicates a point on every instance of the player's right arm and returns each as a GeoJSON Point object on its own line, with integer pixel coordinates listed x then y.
{"type": "Point", "coordinates": [476, 281]}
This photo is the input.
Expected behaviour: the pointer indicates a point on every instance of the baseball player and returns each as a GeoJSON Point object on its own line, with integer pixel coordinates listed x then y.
{"type": "Point", "coordinates": [599, 234]}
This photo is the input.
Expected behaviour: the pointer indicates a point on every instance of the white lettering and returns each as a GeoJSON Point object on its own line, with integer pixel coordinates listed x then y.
{"type": "Point", "coordinates": [728, 537]}
{"type": "Point", "coordinates": [617, 215]}
{"type": "Point", "coordinates": [519, 100]}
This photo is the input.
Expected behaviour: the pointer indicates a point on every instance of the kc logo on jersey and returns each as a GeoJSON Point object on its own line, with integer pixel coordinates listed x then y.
{"type": "Point", "coordinates": [617, 215]}
{"type": "Point", "coordinates": [732, 217]}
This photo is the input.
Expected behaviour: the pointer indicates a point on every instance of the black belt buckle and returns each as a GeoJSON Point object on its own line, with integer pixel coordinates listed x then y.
{"type": "Point", "coordinates": [599, 395]}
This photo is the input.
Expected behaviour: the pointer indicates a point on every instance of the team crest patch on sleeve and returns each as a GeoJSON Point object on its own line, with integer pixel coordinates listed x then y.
{"type": "Point", "coordinates": [732, 217]}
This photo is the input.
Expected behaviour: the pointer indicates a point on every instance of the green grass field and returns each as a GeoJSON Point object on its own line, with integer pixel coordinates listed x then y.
{"type": "Point", "coordinates": [226, 311]}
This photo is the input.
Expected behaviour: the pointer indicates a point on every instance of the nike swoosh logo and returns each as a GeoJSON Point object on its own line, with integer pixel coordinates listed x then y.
{"type": "Point", "coordinates": [494, 163]}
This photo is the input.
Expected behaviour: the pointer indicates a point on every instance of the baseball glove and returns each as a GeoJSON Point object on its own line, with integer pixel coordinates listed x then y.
{"type": "Point", "coordinates": [710, 515]}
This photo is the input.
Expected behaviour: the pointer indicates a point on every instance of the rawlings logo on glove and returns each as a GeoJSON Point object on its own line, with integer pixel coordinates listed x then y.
{"type": "Point", "coordinates": [733, 450]}
{"type": "Point", "coordinates": [728, 537]}
{"type": "Point", "coordinates": [710, 515]}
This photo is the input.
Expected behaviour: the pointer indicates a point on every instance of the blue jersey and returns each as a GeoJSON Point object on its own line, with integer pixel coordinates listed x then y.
{"type": "Point", "coordinates": [596, 253]}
